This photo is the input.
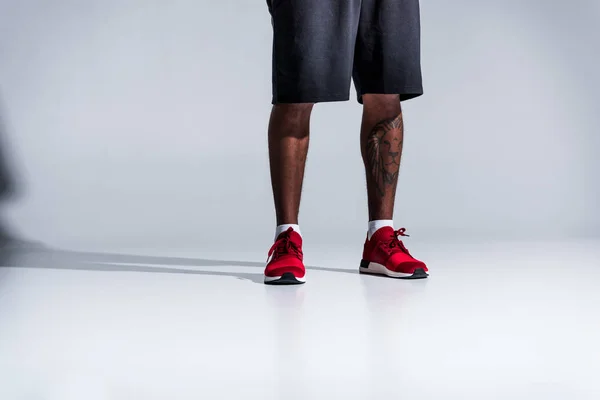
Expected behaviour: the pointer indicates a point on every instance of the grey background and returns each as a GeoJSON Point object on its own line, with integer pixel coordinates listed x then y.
{"type": "Point", "coordinates": [142, 124]}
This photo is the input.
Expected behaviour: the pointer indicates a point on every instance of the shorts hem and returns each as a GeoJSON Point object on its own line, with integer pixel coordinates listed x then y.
{"type": "Point", "coordinates": [406, 93]}
{"type": "Point", "coordinates": [311, 99]}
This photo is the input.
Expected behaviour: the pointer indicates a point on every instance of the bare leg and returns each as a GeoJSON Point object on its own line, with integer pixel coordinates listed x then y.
{"type": "Point", "coordinates": [381, 146]}
{"type": "Point", "coordinates": [288, 148]}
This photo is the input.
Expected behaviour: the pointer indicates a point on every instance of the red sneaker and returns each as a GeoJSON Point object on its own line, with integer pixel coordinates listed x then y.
{"type": "Point", "coordinates": [385, 254]}
{"type": "Point", "coordinates": [285, 266]}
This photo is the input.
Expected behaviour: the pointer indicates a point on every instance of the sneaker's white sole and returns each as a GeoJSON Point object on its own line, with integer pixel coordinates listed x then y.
{"type": "Point", "coordinates": [378, 269]}
{"type": "Point", "coordinates": [284, 280]}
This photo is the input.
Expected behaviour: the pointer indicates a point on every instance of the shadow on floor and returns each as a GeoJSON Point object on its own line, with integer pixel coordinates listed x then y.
{"type": "Point", "coordinates": [8, 181]}
{"type": "Point", "coordinates": [44, 258]}
{"type": "Point", "coordinates": [16, 252]}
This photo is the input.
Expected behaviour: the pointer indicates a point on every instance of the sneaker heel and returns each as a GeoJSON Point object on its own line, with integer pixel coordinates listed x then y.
{"type": "Point", "coordinates": [364, 264]}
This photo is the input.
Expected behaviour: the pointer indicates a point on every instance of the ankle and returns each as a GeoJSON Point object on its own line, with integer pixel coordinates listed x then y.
{"type": "Point", "coordinates": [377, 224]}
{"type": "Point", "coordinates": [284, 227]}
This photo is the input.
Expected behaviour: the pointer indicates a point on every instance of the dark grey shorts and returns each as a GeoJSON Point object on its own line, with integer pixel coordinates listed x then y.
{"type": "Point", "coordinates": [320, 45]}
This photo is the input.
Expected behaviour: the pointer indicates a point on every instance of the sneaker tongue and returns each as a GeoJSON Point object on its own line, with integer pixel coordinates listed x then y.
{"type": "Point", "coordinates": [294, 237]}
{"type": "Point", "coordinates": [383, 234]}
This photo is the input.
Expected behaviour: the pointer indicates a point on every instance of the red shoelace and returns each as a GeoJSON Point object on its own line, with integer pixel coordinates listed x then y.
{"type": "Point", "coordinates": [284, 246]}
{"type": "Point", "coordinates": [394, 241]}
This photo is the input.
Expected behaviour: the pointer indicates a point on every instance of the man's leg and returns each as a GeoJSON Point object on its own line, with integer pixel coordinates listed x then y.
{"type": "Point", "coordinates": [288, 147]}
{"type": "Point", "coordinates": [305, 71]}
{"type": "Point", "coordinates": [382, 133]}
{"type": "Point", "coordinates": [386, 70]}
{"type": "Point", "coordinates": [382, 136]}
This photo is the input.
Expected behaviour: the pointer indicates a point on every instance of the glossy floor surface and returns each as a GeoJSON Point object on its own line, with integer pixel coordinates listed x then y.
{"type": "Point", "coordinates": [494, 321]}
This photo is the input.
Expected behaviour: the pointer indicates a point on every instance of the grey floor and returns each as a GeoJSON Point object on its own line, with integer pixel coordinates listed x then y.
{"type": "Point", "coordinates": [494, 321]}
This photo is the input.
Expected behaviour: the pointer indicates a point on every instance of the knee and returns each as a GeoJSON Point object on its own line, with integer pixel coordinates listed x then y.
{"type": "Point", "coordinates": [290, 120]}
{"type": "Point", "coordinates": [295, 111]}
{"type": "Point", "coordinates": [382, 101]}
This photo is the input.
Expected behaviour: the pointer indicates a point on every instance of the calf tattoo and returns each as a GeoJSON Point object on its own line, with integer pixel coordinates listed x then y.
{"type": "Point", "coordinates": [384, 148]}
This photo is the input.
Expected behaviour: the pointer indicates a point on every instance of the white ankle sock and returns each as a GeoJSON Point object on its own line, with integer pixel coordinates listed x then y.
{"type": "Point", "coordinates": [282, 228]}
{"type": "Point", "coordinates": [378, 223]}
